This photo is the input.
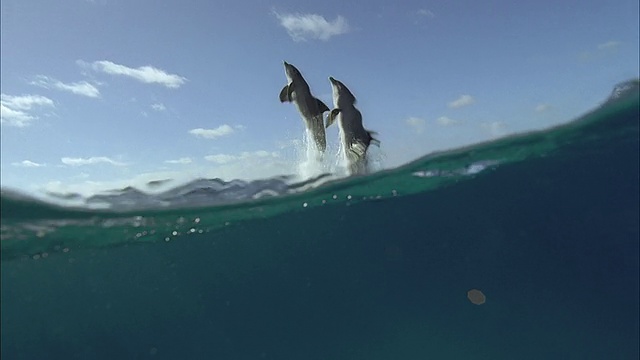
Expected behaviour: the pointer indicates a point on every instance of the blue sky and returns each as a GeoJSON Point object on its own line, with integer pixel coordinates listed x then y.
{"type": "Point", "coordinates": [105, 93]}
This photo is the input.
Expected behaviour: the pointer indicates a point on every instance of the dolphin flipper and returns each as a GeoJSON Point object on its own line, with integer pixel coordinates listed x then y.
{"type": "Point", "coordinates": [332, 116]}
{"type": "Point", "coordinates": [284, 94]}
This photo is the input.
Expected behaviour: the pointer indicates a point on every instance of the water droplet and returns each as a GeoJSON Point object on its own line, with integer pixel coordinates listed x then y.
{"type": "Point", "coordinates": [334, 197]}
{"type": "Point", "coordinates": [304, 205]}
{"type": "Point", "coordinates": [174, 233]}
{"type": "Point", "coordinates": [196, 220]}
{"type": "Point", "coordinates": [167, 239]}
{"type": "Point", "coordinates": [348, 197]}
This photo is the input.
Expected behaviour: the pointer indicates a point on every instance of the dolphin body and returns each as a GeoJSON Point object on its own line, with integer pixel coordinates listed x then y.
{"type": "Point", "coordinates": [310, 108]}
{"type": "Point", "coordinates": [355, 139]}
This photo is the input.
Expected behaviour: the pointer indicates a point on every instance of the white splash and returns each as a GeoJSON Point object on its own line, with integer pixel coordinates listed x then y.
{"type": "Point", "coordinates": [311, 162]}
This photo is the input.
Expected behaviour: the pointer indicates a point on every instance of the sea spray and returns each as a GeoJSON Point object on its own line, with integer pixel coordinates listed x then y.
{"type": "Point", "coordinates": [311, 161]}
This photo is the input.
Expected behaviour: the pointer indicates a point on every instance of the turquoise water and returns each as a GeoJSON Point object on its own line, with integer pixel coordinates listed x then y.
{"type": "Point", "coordinates": [545, 224]}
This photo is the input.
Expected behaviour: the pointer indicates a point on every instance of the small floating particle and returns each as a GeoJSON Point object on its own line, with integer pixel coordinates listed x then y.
{"type": "Point", "coordinates": [324, 201]}
{"type": "Point", "coordinates": [192, 230]}
{"type": "Point", "coordinates": [44, 255]}
{"type": "Point", "coordinates": [394, 192]}
{"type": "Point", "coordinates": [476, 297]}
{"type": "Point", "coordinates": [167, 239]}
{"type": "Point", "coordinates": [334, 196]}
{"type": "Point", "coordinates": [304, 205]}
{"type": "Point", "coordinates": [196, 220]}
{"type": "Point", "coordinates": [174, 233]}
{"type": "Point", "coordinates": [66, 250]}
{"type": "Point", "coordinates": [36, 256]}
{"type": "Point", "coordinates": [348, 197]}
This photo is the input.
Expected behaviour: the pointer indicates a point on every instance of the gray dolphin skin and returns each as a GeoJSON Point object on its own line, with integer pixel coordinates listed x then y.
{"type": "Point", "coordinates": [310, 108]}
{"type": "Point", "coordinates": [354, 137]}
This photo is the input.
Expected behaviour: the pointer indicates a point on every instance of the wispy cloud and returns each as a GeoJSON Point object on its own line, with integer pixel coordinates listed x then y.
{"type": "Point", "coordinates": [79, 88]}
{"type": "Point", "coordinates": [302, 27]}
{"type": "Point", "coordinates": [15, 110]}
{"type": "Point", "coordinates": [416, 123]}
{"type": "Point", "coordinates": [496, 128]}
{"type": "Point", "coordinates": [609, 45]}
{"type": "Point", "coordinates": [464, 100]}
{"type": "Point", "coordinates": [184, 160]}
{"type": "Point", "coordinates": [604, 49]}
{"type": "Point", "coordinates": [27, 163]}
{"type": "Point", "coordinates": [445, 121]}
{"type": "Point", "coordinates": [146, 74]}
{"type": "Point", "coordinates": [543, 107]}
{"type": "Point", "coordinates": [222, 130]}
{"type": "Point", "coordinates": [90, 161]}
{"type": "Point", "coordinates": [158, 107]}
{"type": "Point", "coordinates": [426, 13]}
{"type": "Point", "coordinates": [247, 155]}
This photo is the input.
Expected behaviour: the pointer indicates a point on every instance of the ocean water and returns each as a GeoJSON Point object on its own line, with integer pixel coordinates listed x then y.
{"type": "Point", "coordinates": [544, 224]}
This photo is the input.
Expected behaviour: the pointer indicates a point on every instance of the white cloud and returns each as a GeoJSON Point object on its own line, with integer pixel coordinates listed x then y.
{"type": "Point", "coordinates": [90, 161]}
{"type": "Point", "coordinates": [146, 74]}
{"type": "Point", "coordinates": [14, 110]}
{"type": "Point", "coordinates": [426, 13]}
{"type": "Point", "coordinates": [222, 130]}
{"type": "Point", "coordinates": [79, 88]}
{"type": "Point", "coordinates": [246, 155]}
{"type": "Point", "coordinates": [496, 128]}
{"type": "Point", "coordinates": [158, 107]}
{"type": "Point", "coordinates": [27, 163]}
{"type": "Point", "coordinates": [416, 123]}
{"type": "Point", "coordinates": [302, 27]}
{"type": "Point", "coordinates": [543, 107]}
{"type": "Point", "coordinates": [463, 100]}
{"type": "Point", "coordinates": [184, 160]}
{"type": "Point", "coordinates": [608, 45]}
{"type": "Point", "coordinates": [221, 158]}
{"type": "Point", "coordinates": [445, 121]}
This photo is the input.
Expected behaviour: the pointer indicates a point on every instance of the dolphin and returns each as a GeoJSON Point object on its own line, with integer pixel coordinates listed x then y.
{"type": "Point", "coordinates": [355, 139]}
{"type": "Point", "coordinates": [310, 108]}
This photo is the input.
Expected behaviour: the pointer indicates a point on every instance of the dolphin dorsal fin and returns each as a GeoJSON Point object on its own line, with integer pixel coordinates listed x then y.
{"type": "Point", "coordinates": [322, 106]}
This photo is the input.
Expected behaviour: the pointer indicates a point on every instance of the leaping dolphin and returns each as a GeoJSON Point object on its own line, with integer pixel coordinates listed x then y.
{"type": "Point", "coordinates": [355, 139]}
{"type": "Point", "coordinates": [311, 109]}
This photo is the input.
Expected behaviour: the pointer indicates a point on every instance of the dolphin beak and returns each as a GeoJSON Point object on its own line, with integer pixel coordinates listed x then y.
{"type": "Point", "coordinates": [332, 79]}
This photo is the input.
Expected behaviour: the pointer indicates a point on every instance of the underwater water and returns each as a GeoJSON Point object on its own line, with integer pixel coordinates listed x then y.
{"type": "Point", "coordinates": [387, 266]}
